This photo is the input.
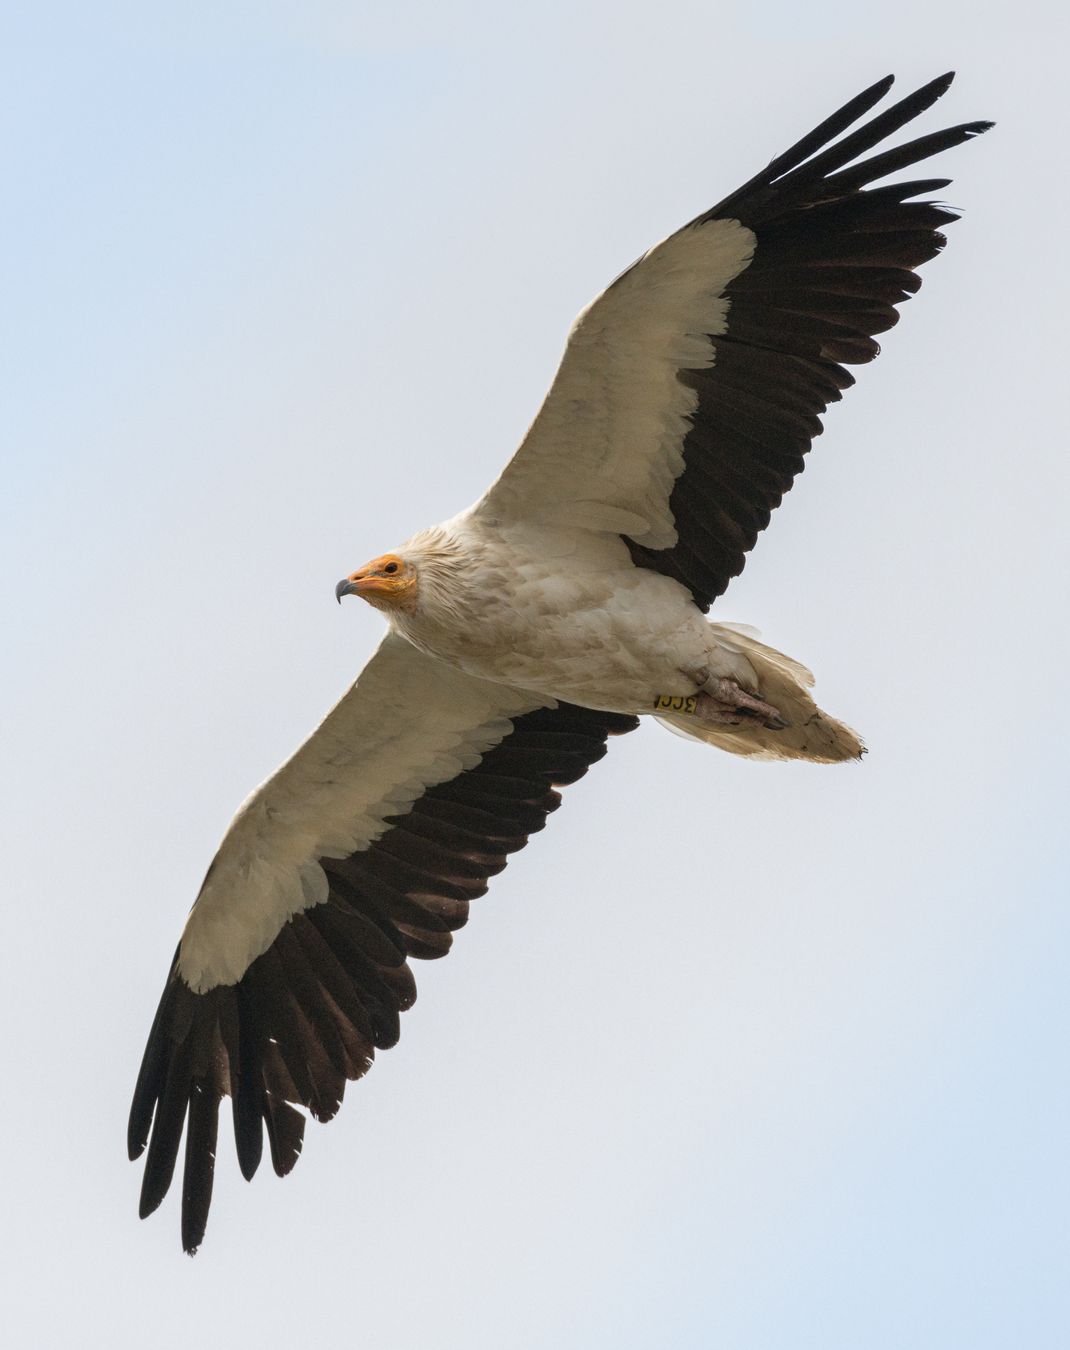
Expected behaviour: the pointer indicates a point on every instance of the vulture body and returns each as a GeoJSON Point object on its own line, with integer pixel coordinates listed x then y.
{"type": "Point", "coordinates": [569, 601]}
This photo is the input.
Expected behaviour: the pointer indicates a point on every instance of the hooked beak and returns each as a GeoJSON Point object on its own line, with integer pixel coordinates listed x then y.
{"type": "Point", "coordinates": [363, 583]}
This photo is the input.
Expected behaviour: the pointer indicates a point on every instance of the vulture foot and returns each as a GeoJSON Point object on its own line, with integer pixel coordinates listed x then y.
{"type": "Point", "coordinates": [727, 702]}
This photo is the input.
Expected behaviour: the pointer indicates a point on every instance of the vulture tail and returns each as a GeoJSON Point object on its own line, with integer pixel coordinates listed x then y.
{"type": "Point", "coordinates": [810, 734]}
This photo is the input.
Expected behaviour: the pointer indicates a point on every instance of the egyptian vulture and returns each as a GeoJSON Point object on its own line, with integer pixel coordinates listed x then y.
{"type": "Point", "coordinates": [564, 605]}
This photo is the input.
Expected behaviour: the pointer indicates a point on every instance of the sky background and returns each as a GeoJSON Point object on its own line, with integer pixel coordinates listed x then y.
{"type": "Point", "coordinates": [752, 1056]}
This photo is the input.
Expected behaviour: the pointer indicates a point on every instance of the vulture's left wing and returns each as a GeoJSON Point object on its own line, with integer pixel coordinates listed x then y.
{"type": "Point", "coordinates": [364, 849]}
{"type": "Point", "coordinates": [692, 387]}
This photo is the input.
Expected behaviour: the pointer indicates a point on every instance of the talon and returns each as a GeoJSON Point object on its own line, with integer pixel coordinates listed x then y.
{"type": "Point", "coordinates": [729, 702]}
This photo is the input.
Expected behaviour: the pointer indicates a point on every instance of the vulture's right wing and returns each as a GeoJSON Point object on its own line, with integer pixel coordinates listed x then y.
{"type": "Point", "coordinates": [364, 849]}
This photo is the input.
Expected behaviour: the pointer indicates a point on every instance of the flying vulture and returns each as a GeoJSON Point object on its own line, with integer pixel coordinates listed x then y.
{"type": "Point", "coordinates": [523, 633]}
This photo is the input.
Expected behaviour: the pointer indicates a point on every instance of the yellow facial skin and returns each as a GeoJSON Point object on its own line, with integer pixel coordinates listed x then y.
{"type": "Point", "coordinates": [387, 583]}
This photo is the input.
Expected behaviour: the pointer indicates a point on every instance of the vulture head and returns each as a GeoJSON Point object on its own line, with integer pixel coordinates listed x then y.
{"type": "Point", "coordinates": [389, 583]}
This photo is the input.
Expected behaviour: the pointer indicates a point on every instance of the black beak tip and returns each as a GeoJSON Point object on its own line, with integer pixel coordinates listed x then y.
{"type": "Point", "coordinates": [341, 589]}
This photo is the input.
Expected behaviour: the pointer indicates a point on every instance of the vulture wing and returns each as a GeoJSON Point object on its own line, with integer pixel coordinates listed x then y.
{"type": "Point", "coordinates": [690, 390]}
{"type": "Point", "coordinates": [364, 849]}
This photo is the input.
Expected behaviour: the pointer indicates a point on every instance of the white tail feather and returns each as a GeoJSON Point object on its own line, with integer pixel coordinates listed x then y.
{"type": "Point", "coordinates": [810, 735]}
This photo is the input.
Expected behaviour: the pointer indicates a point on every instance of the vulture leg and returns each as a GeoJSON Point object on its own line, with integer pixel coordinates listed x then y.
{"type": "Point", "coordinates": [725, 701]}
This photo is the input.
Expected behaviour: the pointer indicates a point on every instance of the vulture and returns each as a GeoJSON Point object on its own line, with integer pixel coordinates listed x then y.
{"type": "Point", "coordinates": [566, 604]}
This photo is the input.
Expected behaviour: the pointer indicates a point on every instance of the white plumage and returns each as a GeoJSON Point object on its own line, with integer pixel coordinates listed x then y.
{"type": "Point", "coordinates": [408, 723]}
{"type": "Point", "coordinates": [568, 602]}
{"type": "Point", "coordinates": [607, 444]}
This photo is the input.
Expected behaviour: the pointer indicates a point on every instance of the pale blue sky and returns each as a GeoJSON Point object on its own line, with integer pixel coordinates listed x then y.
{"type": "Point", "coordinates": [761, 1057]}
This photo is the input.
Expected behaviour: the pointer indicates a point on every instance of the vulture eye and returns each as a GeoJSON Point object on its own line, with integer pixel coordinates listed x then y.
{"type": "Point", "coordinates": [390, 569]}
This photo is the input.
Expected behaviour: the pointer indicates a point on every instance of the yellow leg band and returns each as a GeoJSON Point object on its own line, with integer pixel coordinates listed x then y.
{"type": "Point", "coordinates": [675, 703]}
